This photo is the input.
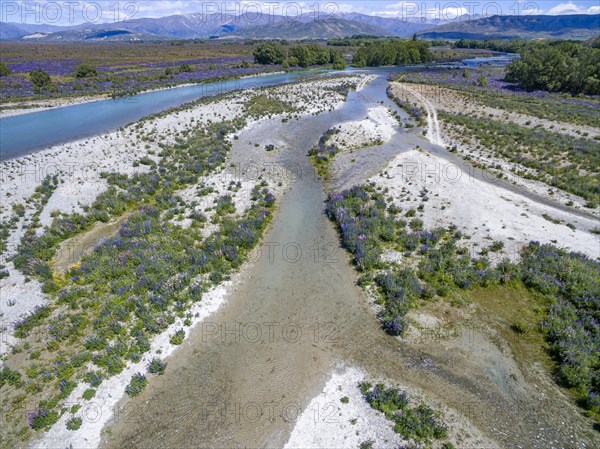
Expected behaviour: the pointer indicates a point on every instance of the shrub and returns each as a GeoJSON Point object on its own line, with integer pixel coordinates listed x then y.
{"type": "Point", "coordinates": [157, 366]}
{"type": "Point", "coordinates": [136, 385]}
{"type": "Point", "coordinates": [141, 278]}
{"type": "Point", "coordinates": [418, 423]}
{"type": "Point", "coordinates": [496, 246]}
{"type": "Point", "coordinates": [573, 281]}
{"type": "Point", "coordinates": [18, 209]}
{"type": "Point", "coordinates": [89, 394]}
{"type": "Point", "coordinates": [40, 80]}
{"type": "Point", "coordinates": [42, 419]}
{"type": "Point", "coordinates": [186, 68]}
{"type": "Point", "coordinates": [416, 224]}
{"type": "Point", "coordinates": [4, 70]}
{"type": "Point", "coordinates": [74, 423]}
{"type": "Point", "coordinates": [177, 338]}
{"type": "Point", "coordinates": [94, 378]}
{"type": "Point", "coordinates": [86, 71]}
{"type": "Point", "coordinates": [10, 377]}
{"type": "Point", "coordinates": [35, 318]}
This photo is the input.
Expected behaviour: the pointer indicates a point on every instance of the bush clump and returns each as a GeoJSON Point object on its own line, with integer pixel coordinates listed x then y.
{"type": "Point", "coordinates": [157, 366]}
{"type": "Point", "coordinates": [419, 423]}
{"type": "Point", "coordinates": [136, 385]}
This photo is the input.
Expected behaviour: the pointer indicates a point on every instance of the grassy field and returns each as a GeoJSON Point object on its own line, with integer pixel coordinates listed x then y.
{"type": "Point", "coordinates": [120, 68]}
{"type": "Point", "coordinates": [498, 93]}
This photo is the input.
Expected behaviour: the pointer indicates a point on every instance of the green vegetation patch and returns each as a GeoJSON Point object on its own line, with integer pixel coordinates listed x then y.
{"type": "Point", "coordinates": [419, 423]}
{"type": "Point", "coordinates": [263, 104]}
{"type": "Point", "coordinates": [558, 67]}
{"type": "Point", "coordinates": [568, 284]}
{"type": "Point", "coordinates": [135, 284]}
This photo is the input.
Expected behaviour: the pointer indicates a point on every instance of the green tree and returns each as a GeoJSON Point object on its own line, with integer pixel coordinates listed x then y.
{"type": "Point", "coordinates": [186, 68]}
{"type": "Point", "coordinates": [392, 51]}
{"type": "Point", "coordinates": [86, 71]}
{"type": "Point", "coordinates": [303, 55]}
{"type": "Point", "coordinates": [269, 53]}
{"type": "Point", "coordinates": [4, 70]}
{"type": "Point", "coordinates": [40, 80]}
{"type": "Point", "coordinates": [336, 57]}
{"type": "Point", "coordinates": [557, 67]}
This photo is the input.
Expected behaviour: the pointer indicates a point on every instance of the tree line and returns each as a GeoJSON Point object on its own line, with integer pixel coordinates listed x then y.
{"type": "Point", "coordinates": [358, 40]}
{"type": "Point", "coordinates": [393, 52]}
{"type": "Point", "coordinates": [557, 67]}
{"type": "Point", "coordinates": [269, 53]}
{"type": "Point", "coordinates": [506, 46]}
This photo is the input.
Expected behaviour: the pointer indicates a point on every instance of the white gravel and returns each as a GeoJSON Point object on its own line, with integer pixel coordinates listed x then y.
{"type": "Point", "coordinates": [328, 423]}
{"type": "Point", "coordinates": [377, 127]}
{"type": "Point", "coordinates": [481, 209]}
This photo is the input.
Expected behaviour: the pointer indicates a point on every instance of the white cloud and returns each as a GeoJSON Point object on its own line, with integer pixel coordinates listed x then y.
{"type": "Point", "coordinates": [594, 10]}
{"type": "Point", "coordinates": [572, 8]}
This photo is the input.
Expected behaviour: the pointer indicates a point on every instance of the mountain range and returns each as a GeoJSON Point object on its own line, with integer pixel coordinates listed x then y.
{"type": "Point", "coordinates": [574, 26]}
{"type": "Point", "coordinates": [266, 26]}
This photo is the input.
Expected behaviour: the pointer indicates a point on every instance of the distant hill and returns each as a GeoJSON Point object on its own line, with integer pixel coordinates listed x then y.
{"type": "Point", "coordinates": [593, 42]}
{"type": "Point", "coordinates": [313, 29]}
{"type": "Point", "coordinates": [576, 26]}
{"type": "Point", "coordinates": [14, 31]}
{"type": "Point", "coordinates": [199, 26]}
{"type": "Point", "coordinates": [188, 26]}
{"type": "Point", "coordinates": [84, 34]}
{"type": "Point", "coordinates": [396, 27]}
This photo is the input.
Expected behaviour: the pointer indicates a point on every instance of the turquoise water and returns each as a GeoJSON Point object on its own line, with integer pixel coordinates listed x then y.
{"type": "Point", "coordinates": [26, 133]}
{"type": "Point", "coordinates": [23, 134]}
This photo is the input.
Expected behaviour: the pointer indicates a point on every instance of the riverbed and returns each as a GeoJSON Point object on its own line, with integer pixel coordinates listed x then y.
{"type": "Point", "coordinates": [294, 315]}
{"type": "Point", "coordinates": [246, 374]}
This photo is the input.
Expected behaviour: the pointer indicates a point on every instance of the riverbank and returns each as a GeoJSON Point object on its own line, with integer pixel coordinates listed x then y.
{"type": "Point", "coordinates": [340, 417]}
{"type": "Point", "coordinates": [469, 343]}
{"type": "Point", "coordinates": [79, 171]}
{"type": "Point", "coordinates": [80, 165]}
{"type": "Point", "coordinates": [443, 193]}
{"type": "Point", "coordinates": [291, 332]}
{"type": "Point", "coordinates": [497, 161]}
{"type": "Point", "coordinates": [31, 106]}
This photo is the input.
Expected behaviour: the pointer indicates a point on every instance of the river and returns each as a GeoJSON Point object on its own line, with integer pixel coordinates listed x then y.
{"type": "Point", "coordinates": [244, 374]}
{"type": "Point", "coordinates": [23, 134]}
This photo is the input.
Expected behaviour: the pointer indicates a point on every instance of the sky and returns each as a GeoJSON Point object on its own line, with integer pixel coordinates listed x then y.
{"type": "Point", "coordinates": [72, 12]}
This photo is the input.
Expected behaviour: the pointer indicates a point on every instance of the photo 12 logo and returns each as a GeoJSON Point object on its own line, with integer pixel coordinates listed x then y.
{"type": "Point", "coordinates": [258, 13]}
{"type": "Point", "coordinates": [68, 12]}
{"type": "Point", "coordinates": [435, 12]}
